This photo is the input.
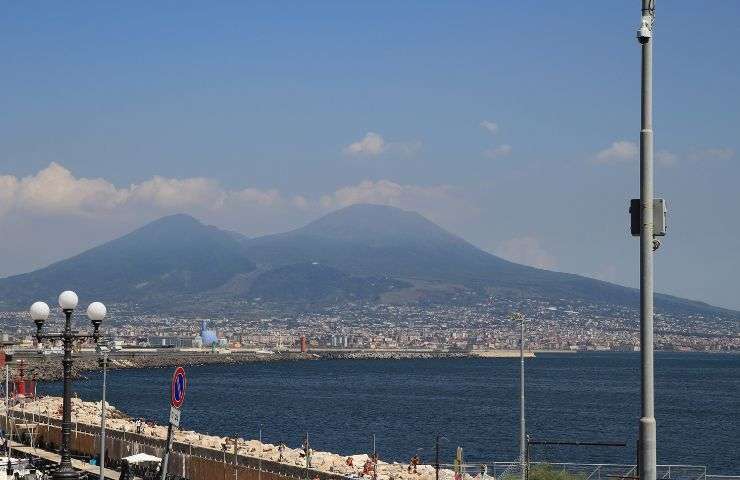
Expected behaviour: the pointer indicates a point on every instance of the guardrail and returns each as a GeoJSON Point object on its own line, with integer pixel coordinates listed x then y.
{"type": "Point", "coordinates": [578, 471]}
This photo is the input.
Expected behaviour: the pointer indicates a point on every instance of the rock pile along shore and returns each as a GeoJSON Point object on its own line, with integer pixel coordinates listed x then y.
{"type": "Point", "coordinates": [89, 413]}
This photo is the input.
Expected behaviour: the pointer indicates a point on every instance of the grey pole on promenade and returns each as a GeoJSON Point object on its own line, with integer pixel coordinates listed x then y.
{"type": "Point", "coordinates": [7, 397]}
{"type": "Point", "coordinates": [436, 456]}
{"type": "Point", "coordinates": [166, 457]}
{"type": "Point", "coordinates": [648, 457]}
{"type": "Point", "coordinates": [259, 471]}
{"type": "Point", "coordinates": [522, 423]}
{"type": "Point", "coordinates": [9, 468]}
{"type": "Point", "coordinates": [103, 409]}
{"type": "Point", "coordinates": [436, 459]}
{"type": "Point", "coordinates": [375, 460]}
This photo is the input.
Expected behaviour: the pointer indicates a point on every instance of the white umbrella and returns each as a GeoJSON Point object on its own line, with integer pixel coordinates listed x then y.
{"type": "Point", "coordinates": [142, 458]}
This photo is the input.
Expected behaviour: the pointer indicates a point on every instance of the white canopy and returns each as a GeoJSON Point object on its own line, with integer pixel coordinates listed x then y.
{"type": "Point", "coordinates": [142, 458]}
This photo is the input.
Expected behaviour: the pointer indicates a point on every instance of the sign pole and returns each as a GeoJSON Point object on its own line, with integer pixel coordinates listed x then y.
{"type": "Point", "coordinates": [166, 456]}
{"type": "Point", "coordinates": [177, 398]}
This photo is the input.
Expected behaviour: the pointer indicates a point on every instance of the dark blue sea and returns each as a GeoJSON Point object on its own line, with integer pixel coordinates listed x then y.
{"type": "Point", "coordinates": [473, 403]}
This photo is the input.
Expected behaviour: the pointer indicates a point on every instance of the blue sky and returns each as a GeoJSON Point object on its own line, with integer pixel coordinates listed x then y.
{"type": "Point", "coordinates": [512, 123]}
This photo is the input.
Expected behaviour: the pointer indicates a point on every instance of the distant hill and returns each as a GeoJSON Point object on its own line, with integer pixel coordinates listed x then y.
{"type": "Point", "coordinates": [174, 255]}
{"type": "Point", "coordinates": [359, 253]}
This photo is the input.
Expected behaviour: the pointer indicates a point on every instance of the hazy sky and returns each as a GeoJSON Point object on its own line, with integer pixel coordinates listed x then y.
{"type": "Point", "coordinates": [511, 123]}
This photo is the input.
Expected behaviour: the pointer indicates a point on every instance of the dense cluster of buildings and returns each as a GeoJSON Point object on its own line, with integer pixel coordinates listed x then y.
{"type": "Point", "coordinates": [484, 326]}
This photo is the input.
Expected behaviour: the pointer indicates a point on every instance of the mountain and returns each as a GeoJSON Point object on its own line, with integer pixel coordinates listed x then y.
{"type": "Point", "coordinates": [383, 241]}
{"type": "Point", "coordinates": [359, 253]}
{"type": "Point", "coordinates": [174, 255]}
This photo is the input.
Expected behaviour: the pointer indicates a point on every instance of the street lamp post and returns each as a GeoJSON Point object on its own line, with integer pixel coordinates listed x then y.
{"type": "Point", "coordinates": [39, 313]}
{"type": "Point", "coordinates": [8, 452]}
{"type": "Point", "coordinates": [104, 356]}
{"type": "Point", "coordinates": [518, 317]}
{"type": "Point", "coordinates": [436, 455]}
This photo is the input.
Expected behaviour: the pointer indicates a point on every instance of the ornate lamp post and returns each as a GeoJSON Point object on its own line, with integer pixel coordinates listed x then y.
{"type": "Point", "coordinates": [39, 313]}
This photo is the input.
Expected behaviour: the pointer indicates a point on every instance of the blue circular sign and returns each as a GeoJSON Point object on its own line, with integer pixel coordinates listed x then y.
{"type": "Point", "coordinates": [179, 385]}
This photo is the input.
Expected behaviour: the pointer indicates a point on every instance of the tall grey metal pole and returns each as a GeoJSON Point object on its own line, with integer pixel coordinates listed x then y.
{"type": "Point", "coordinates": [436, 459]}
{"type": "Point", "coordinates": [7, 416]}
{"type": "Point", "coordinates": [648, 458]}
{"type": "Point", "coordinates": [166, 457]}
{"type": "Point", "coordinates": [102, 418]}
{"type": "Point", "coordinates": [7, 397]}
{"type": "Point", "coordinates": [260, 460]}
{"type": "Point", "coordinates": [522, 425]}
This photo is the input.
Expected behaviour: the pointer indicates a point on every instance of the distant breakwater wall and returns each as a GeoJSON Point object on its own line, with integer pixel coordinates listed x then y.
{"type": "Point", "coordinates": [186, 461]}
{"type": "Point", "coordinates": [49, 367]}
{"type": "Point", "coordinates": [386, 355]}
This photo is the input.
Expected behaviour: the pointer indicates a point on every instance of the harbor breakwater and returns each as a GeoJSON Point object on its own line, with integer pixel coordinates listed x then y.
{"type": "Point", "coordinates": [48, 367]}
{"type": "Point", "coordinates": [194, 455]}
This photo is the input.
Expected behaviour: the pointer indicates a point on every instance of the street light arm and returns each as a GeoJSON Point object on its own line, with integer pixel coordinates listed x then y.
{"type": "Point", "coordinates": [49, 336]}
{"type": "Point", "coordinates": [94, 336]}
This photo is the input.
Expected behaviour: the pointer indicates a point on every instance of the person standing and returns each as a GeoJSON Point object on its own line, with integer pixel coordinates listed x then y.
{"type": "Point", "coordinates": [415, 462]}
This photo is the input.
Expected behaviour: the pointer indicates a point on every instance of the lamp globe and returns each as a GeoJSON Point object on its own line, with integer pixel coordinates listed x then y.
{"type": "Point", "coordinates": [68, 300]}
{"type": "Point", "coordinates": [39, 312]}
{"type": "Point", "coordinates": [96, 312]}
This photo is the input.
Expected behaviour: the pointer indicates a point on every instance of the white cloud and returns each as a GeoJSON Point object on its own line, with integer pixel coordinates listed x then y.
{"type": "Point", "coordinates": [497, 152]}
{"type": "Point", "coordinates": [8, 189]}
{"type": "Point", "coordinates": [623, 152]}
{"type": "Point", "coordinates": [383, 192]}
{"type": "Point", "coordinates": [55, 190]}
{"type": "Point", "coordinates": [666, 158]}
{"type": "Point", "coordinates": [620, 151]}
{"type": "Point", "coordinates": [406, 149]}
{"type": "Point", "coordinates": [173, 193]}
{"type": "Point", "coordinates": [723, 153]}
{"type": "Point", "coordinates": [491, 127]}
{"type": "Point", "coordinates": [372, 144]}
{"type": "Point", "coordinates": [526, 250]}
{"type": "Point", "coordinates": [265, 198]}
{"type": "Point", "coordinates": [440, 203]}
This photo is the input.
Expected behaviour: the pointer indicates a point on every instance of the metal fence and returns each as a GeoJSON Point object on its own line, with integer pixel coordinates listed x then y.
{"type": "Point", "coordinates": [576, 471]}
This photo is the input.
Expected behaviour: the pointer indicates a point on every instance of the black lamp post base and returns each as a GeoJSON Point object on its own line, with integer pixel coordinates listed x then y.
{"type": "Point", "coordinates": [66, 473]}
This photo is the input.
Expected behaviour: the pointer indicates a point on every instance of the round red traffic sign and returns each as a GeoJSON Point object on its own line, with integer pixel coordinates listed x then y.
{"type": "Point", "coordinates": [179, 384]}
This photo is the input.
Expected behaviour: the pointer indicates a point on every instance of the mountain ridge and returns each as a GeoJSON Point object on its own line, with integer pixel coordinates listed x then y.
{"type": "Point", "coordinates": [359, 253]}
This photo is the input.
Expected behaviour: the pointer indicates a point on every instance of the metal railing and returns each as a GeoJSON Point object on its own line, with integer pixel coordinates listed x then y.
{"type": "Point", "coordinates": [585, 471]}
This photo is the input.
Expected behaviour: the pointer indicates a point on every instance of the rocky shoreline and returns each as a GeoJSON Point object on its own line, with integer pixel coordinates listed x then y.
{"type": "Point", "coordinates": [89, 413]}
